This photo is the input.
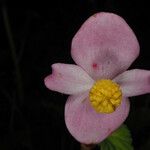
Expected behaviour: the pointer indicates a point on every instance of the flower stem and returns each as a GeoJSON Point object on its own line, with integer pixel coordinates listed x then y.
{"type": "Point", "coordinates": [13, 53]}
{"type": "Point", "coordinates": [87, 147]}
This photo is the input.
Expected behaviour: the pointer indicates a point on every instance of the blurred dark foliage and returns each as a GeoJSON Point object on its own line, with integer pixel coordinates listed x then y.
{"type": "Point", "coordinates": [42, 33]}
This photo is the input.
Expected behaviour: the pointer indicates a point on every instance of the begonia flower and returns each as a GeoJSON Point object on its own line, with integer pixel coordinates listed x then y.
{"type": "Point", "coordinates": [100, 84]}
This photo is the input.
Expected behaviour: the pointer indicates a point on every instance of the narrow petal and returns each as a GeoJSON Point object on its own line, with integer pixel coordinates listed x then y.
{"type": "Point", "coordinates": [134, 82]}
{"type": "Point", "coordinates": [104, 46]}
{"type": "Point", "coordinates": [68, 79]}
{"type": "Point", "coordinates": [86, 125]}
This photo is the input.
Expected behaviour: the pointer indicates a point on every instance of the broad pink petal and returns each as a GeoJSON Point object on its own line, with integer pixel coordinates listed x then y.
{"type": "Point", "coordinates": [68, 79]}
{"type": "Point", "coordinates": [134, 82]}
{"type": "Point", "coordinates": [104, 46]}
{"type": "Point", "coordinates": [86, 125]}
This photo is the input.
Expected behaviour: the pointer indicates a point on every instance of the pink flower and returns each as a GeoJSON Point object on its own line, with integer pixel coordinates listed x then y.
{"type": "Point", "coordinates": [103, 48]}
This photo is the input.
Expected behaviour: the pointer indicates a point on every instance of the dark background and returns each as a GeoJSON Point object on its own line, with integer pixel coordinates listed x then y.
{"type": "Point", "coordinates": [31, 116]}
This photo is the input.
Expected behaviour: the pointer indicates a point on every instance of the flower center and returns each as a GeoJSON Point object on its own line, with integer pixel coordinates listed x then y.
{"type": "Point", "coordinates": [105, 96]}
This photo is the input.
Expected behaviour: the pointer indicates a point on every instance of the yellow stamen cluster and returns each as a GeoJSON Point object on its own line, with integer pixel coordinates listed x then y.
{"type": "Point", "coordinates": [105, 96]}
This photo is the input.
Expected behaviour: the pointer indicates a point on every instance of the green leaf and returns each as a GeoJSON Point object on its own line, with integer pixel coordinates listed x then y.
{"type": "Point", "coordinates": [118, 140]}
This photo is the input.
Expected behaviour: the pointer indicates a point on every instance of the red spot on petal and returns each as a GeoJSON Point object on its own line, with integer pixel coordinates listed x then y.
{"type": "Point", "coordinates": [109, 131]}
{"type": "Point", "coordinates": [94, 65]}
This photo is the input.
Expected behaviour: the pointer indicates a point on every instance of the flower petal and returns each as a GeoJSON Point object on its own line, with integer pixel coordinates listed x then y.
{"type": "Point", "coordinates": [86, 125]}
{"type": "Point", "coordinates": [104, 46]}
{"type": "Point", "coordinates": [68, 79]}
{"type": "Point", "coordinates": [134, 82]}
